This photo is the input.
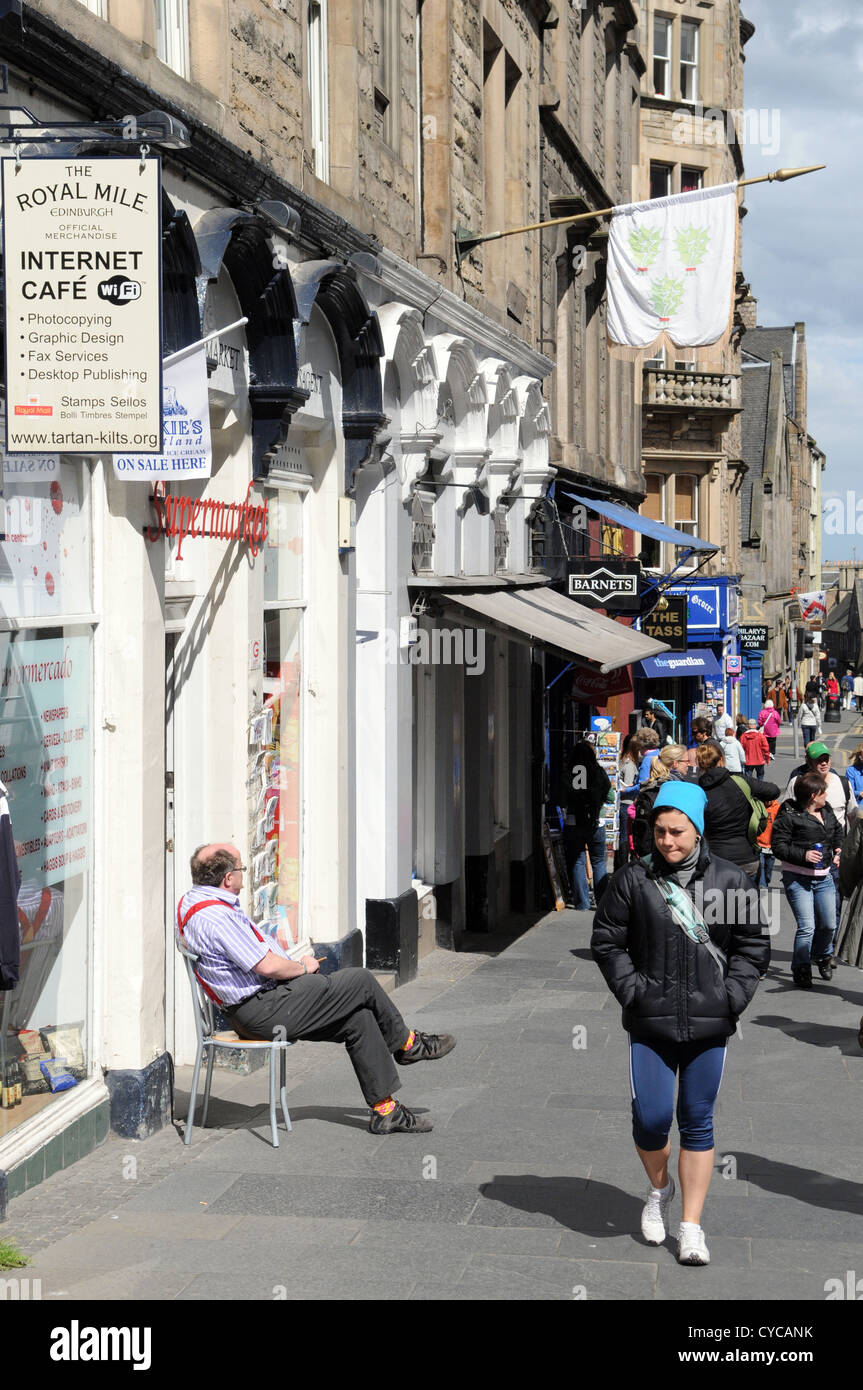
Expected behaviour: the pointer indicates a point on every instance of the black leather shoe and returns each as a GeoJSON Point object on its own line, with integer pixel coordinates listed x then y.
{"type": "Point", "coordinates": [427, 1047]}
{"type": "Point", "coordinates": [825, 967]}
{"type": "Point", "coordinates": [802, 976]}
{"type": "Point", "coordinates": [399, 1121]}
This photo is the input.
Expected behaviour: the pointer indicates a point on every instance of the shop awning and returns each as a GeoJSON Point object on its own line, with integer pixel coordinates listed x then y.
{"type": "Point", "coordinates": [559, 623]}
{"type": "Point", "coordinates": [625, 516]}
{"type": "Point", "coordinates": [676, 665]}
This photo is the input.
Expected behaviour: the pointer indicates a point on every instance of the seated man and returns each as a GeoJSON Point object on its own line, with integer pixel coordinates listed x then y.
{"type": "Point", "coordinates": [259, 988]}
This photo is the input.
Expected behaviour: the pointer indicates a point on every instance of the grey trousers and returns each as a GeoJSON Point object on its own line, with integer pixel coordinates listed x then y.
{"type": "Point", "coordinates": [347, 1007]}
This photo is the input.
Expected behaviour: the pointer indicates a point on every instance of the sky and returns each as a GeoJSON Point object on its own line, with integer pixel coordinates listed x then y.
{"type": "Point", "coordinates": [803, 75]}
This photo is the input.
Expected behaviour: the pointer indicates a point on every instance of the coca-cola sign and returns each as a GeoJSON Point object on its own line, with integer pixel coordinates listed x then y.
{"type": "Point", "coordinates": [593, 687]}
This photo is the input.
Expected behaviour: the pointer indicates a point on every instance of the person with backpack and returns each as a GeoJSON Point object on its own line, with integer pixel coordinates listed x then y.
{"type": "Point", "coordinates": [584, 830]}
{"type": "Point", "coordinates": [802, 823]}
{"type": "Point", "coordinates": [840, 797]}
{"type": "Point", "coordinates": [734, 816]}
{"type": "Point", "coordinates": [683, 978]}
{"type": "Point", "coordinates": [672, 764]}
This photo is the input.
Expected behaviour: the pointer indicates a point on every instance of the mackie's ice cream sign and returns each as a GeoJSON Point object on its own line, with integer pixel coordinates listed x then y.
{"type": "Point", "coordinates": [206, 516]}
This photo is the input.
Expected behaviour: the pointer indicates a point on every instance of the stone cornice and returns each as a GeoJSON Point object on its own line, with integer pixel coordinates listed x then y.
{"type": "Point", "coordinates": [404, 282]}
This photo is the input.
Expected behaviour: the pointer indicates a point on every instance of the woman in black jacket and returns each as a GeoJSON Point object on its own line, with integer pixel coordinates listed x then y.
{"type": "Point", "coordinates": [803, 821]}
{"type": "Point", "coordinates": [681, 941]}
{"type": "Point", "coordinates": [729, 810]}
{"type": "Point", "coordinates": [584, 831]}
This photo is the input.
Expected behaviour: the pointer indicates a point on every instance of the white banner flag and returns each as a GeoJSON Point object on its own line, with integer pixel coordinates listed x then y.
{"type": "Point", "coordinates": [671, 268]}
{"type": "Point", "coordinates": [186, 425]}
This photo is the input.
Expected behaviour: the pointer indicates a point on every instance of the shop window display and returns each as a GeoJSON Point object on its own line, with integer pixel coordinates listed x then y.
{"type": "Point", "coordinates": [275, 732]}
{"type": "Point", "coordinates": [45, 767]}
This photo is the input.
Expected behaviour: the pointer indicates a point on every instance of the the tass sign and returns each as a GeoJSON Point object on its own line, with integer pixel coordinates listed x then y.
{"type": "Point", "coordinates": [81, 255]}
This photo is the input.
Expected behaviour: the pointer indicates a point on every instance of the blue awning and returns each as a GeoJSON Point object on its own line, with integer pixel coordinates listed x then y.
{"type": "Point", "coordinates": [625, 516]}
{"type": "Point", "coordinates": [699, 661]}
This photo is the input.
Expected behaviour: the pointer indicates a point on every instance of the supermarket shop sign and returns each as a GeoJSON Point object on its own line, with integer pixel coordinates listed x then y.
{"type": "Point", "coordinates": [82, 263]}
{"type": "Point", "coordinates": [182, 517]}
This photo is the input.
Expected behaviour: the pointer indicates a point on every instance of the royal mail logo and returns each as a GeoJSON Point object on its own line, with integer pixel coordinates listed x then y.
{"type": "Point", "coordinates": [34, 408]}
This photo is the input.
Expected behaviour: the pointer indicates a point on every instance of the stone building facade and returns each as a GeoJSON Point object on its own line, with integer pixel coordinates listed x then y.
{"type": "Point", "coordinates": [691, 100]}
{"type": "Point", "coordinates": [781, 496]}
{"type": "Point", "coordinates": [388, 416]}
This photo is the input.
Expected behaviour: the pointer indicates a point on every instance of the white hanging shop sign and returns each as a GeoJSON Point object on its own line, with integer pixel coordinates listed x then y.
{"type": "Point", "coordinates": [82, 262]}
{"type": "Point", "coordinates": [186, 427]}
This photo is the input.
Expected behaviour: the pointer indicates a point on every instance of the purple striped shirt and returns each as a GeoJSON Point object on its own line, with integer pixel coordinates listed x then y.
{"type": "Point", "coordinates": [227, 943]}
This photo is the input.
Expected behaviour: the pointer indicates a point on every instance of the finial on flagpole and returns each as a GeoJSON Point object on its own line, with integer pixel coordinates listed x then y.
{"type": "Point", "coordinates": [781, 175]}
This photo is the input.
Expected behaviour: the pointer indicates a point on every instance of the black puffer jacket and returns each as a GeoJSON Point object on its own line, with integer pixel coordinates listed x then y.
{"type": "Point", "coordinates": [796, 831]}
{"type": "Point", "coordinates": [727, 814]}
{"type": "Point", "coordinates": [668, 985]}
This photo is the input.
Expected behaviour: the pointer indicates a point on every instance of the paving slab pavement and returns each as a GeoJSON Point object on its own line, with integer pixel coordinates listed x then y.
{"type": "Point", "coordinates": [528, 1188]}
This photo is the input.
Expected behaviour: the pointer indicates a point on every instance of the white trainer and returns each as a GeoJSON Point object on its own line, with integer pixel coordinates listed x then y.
{"type": "Point", "coordinates": [653, 1215]}
{"type": "Point", "coordinates": [691, 1245]}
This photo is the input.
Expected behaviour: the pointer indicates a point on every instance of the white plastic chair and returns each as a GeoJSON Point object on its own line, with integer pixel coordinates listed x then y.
{"type": "Point", "coordinates": [202, 1009]}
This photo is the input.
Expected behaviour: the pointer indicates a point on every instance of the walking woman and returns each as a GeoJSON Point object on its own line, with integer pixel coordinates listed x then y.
{"type": "Point", "coordinates": [683, 980]}
{"type": "Point", "coordinates": [809, 718]}
{"type": "Point", "coordinates": [584, 831]}
{"type": "Point", "coordinates": [769, 722]}
{"type": "Point", "coordinates": [801, 823]}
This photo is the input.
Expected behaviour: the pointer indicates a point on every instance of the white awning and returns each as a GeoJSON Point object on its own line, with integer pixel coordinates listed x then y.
{"type": "Point", "coordinates": [559, 623]}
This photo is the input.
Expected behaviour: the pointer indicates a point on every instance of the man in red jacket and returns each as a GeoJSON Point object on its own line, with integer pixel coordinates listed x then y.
{"type": "Point", "coordinates": [756, 750]}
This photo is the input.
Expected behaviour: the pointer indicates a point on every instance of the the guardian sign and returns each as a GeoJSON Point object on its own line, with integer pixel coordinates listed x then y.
{"type": "Point", "coordinates": [82, 260]}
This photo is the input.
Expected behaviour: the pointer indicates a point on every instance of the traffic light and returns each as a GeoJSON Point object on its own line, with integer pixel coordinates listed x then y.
{"type": "Point", "coordinates": [805, 644]}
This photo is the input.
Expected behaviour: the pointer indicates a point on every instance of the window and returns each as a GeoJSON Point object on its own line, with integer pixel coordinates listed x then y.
{"type": "Point", "coordinates": [691, 179]}
{"type": "Point", "coordinates": [97, 7]}
{"type": "Point", "coordinates": [46, 743]}
{"type": "Point", "coordinates": [316, 74]}
{"type": "Point", "coordinates": [653, 508]}
{"type": "Point", "coordinates": [172, 34]}
{"type": "Point", "coordinates": [386, 75]}
{"type": "Point", "coordinates": [277, 883]}
{"type": "Point", "coordinates": [686, 504]}
{"type": "Point", "coordinates": [688, 60]}
{"type": "Point", "coordinates": [660, 180]}
{"type": "Point", "coordinates": [662, 57]}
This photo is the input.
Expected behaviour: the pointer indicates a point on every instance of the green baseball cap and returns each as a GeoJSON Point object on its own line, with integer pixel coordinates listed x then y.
{"type": "Point", "coordinates": [816, 751]}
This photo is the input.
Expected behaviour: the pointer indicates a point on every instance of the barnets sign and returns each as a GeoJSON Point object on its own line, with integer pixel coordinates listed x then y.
{"type": "Point", "coordinates": [605, 584]}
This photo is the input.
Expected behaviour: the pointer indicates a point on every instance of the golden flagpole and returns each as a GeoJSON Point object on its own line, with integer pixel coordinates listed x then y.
{"type": "Point", "coordinates": [465, 241]}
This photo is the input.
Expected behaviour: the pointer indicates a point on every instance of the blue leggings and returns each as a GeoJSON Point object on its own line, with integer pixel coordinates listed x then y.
{"type": "Point", "coordinates": [652, 1069]}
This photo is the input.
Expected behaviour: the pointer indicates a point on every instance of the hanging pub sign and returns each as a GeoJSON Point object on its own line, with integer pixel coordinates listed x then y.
{"type": "Point", "coordinates": [605, 583]}
{"type": "Point", "coordinates": [82, 263]}
{"type": "Point", "coordinates": [668, 624]}
{"type": "Point", "coordinates": [753, 637]}
{"type": "Point", "coordinates": [186, 426]}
